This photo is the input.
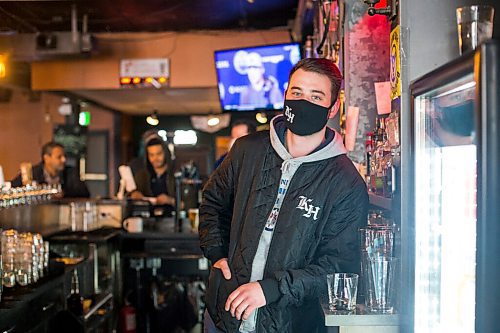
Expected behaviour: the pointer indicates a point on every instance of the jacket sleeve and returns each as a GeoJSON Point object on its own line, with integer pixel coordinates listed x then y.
{"type": "Point", "coordinates": [216, 210]}
{"type": "Point", "coordinates": [336, 251]}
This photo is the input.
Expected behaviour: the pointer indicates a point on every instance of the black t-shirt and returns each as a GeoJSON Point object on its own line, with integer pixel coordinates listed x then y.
{"type": "Point", "coordinates": [159, 185]}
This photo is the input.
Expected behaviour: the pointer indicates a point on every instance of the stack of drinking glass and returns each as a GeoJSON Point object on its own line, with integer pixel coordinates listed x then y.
{"type": "Point", "coordinates": [25, 258]}
{"type": "Point", "coordinates": [378, 267]}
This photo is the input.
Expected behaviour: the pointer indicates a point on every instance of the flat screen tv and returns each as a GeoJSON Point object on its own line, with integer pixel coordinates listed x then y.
{"type": "Point", "coordinates": [255, 78]}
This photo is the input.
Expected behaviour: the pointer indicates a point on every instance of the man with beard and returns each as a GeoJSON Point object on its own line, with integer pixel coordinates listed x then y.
{"type": "Point", "coordinates": [52, 170]}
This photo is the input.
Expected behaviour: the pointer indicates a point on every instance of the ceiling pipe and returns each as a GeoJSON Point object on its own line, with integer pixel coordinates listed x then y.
{"type": "Point", "coordinates": [74, 25]}
{"type": "Point", "coordinates": [85, 24]}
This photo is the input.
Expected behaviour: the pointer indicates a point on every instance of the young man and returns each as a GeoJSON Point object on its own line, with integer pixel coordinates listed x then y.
{"type": "Point", "coordinates": [156, 178]}
{"type": "Point", "coordinates": [139, 162]}
{"type": "Point", "coordinates": [53, 171]}
{"type": "Point", "coordinates": [281, 212]}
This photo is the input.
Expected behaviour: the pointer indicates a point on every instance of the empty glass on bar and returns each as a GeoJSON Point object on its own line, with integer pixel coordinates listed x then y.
{"type": "Point", "coordinates": [377, 242]}
{"type": "Point", "coordinates": [342, 291]}
{"type": "Point", "coordinates": [380, 295]}
{"type": "Point", "coordinates": [46, 256]}
{"type": "Point", "coordinates": [24, 260]}
{"type": "Point", "coordinates": [39, 250]}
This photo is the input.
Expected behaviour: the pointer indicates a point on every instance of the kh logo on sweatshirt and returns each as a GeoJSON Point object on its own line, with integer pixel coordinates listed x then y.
{"type": "Point", "coordinates": [310, 210]}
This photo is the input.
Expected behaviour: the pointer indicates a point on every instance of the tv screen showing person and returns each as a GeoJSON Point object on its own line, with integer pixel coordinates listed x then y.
{"type": "Point", "coordinates": [255, 78]}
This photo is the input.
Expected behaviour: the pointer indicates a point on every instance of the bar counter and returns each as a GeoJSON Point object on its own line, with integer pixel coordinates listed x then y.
{"type": "Point", "coordinates": [360, 321]}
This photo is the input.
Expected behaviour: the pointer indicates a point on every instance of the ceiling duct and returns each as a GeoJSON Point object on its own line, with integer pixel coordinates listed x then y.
{"type": "Point", "coordinates": [52, 45]}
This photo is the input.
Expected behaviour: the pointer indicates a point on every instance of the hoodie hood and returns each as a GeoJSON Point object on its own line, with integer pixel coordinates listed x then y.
{"type": "Point", "coordinates": [333, 147]}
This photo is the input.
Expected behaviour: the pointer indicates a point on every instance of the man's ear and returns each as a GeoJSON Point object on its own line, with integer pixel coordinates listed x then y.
{"type": "Point", "coordinates": [334, 109]}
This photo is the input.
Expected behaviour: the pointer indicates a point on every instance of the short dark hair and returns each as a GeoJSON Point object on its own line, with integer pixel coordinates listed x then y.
{"type": "Point", "coordinates": [154, 142]}
{"type": "Point", "coordinates": [251, 128]}
{"type": "Point", "coordinates": [49, 146]}
{"type": "Point", "coordinates": [321, 66]}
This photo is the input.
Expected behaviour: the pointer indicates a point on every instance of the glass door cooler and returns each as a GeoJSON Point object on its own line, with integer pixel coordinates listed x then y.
{"type": "Point", "coordinates": [454, 231]}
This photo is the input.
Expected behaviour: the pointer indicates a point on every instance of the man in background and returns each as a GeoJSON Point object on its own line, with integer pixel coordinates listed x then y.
{"type": "Point", "coordinates": [156, 178]}
{"type": "Point", "coordinates": [139, 162]}
{"type": "Point", "coordinates": [52, 170]}
{"type": "Point", "coordinates": [238, 129]}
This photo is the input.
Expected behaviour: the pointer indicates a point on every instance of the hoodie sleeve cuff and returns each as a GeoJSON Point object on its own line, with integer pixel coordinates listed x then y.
{"type": "Point", "coordinates": [215, 254]}
{"type": "Point", "coordinates": [271, 290]}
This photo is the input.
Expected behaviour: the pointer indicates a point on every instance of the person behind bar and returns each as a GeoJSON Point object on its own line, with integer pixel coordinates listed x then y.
{"type": "Point", "coordinates": [238, 129]}
{"type": "Point", "coordinates": [52, 170]}
{"type": "Point", "coordinates": [139, 162]}
{"type": "Point", "coordinates": [156, 178]}
{"type": "Point", "coordinates": [281, 212]}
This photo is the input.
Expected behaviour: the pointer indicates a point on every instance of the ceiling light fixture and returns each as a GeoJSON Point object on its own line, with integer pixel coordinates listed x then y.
{"type": "Point", "coordinates": [152, 119]}
{"type": "Point", "coordinates": [65, 109]}
{"type": "Point", "coordinates": [213, 121]}
{"type": "Point", "coordinates": [261, 117]}
{"type": "Point", "coordinates": [201, 122]}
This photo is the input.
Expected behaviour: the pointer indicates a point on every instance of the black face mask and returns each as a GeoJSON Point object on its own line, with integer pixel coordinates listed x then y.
{"type": "Point", "coordinates": [303, 117]}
